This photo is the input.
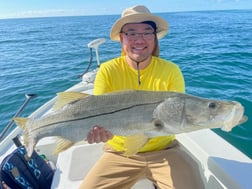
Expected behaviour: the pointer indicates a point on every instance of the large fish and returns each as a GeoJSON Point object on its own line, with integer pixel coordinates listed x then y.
{"type": "Point", "coordinates": [142, 114]}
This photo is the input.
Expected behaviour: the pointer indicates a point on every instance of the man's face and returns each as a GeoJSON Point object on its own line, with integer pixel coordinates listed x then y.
{"type": "Point", "coordinates": [138, 41]}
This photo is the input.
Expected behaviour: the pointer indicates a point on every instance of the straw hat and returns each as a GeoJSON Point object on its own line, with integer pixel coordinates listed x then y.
{"type": "Point", "coordinates": [137, 14]}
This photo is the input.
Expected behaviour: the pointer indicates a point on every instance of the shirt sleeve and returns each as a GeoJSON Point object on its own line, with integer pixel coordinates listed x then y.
{"type": "Point", "coordinates": [177, 83]}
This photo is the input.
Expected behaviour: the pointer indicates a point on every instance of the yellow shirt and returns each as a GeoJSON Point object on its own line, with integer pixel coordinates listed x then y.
{"type": "Point", "coordinates": [159, 75]}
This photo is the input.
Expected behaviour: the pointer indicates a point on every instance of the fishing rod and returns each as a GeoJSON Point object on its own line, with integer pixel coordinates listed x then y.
{"type": "Point", "coordinates": [27, 100]}
{"type": "Point", "coordinates": [94, 44]}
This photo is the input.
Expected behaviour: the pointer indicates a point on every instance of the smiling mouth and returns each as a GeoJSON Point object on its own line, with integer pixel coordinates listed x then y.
{"type": "Point", "coordinates": [139, 48]}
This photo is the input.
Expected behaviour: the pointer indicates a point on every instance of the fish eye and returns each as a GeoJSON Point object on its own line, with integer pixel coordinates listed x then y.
{"type": "Point", "coordinates": [158, 124]}
{"type": "Point", "coordinates": [212, 105]}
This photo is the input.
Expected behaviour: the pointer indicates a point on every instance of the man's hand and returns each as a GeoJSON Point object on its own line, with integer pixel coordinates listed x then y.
{"type": "Point", "coordinates": [98, 134]}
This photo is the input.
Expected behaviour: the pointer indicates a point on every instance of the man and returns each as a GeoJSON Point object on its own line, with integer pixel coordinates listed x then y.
{"type": "Point", "coordinates": [140, 68]}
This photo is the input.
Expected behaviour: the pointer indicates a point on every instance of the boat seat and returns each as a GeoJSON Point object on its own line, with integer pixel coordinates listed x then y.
{"type": "Point", "coordinates": [74, 163]}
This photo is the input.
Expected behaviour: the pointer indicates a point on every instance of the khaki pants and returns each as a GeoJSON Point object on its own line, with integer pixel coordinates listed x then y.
{"type": "Point", "coordinates": [169, 168]}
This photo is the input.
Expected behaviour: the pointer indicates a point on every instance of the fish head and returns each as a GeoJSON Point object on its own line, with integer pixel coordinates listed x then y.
{"type": "Point", "coordinates": [209, 113]}
{"type": "Point", "coordinates": [186, 113]}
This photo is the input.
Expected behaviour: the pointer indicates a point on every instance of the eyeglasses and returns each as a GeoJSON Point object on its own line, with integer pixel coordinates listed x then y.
{"type": "Point", "coordinates": [135, 36]}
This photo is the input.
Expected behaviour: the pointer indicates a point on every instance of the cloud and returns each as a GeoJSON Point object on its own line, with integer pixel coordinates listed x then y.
{"type": "Point", "coordinates": [43, 13]}
{"type": "Point", "coordinates": [54, 12]}
{"type": "Point", "coordinates": [46, 13]}
{"type": "Point", "coordinates": [220, 1]}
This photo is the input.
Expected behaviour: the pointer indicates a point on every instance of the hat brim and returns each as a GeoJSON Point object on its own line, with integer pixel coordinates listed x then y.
{"type": "Point", "coordinates": [162, 25]}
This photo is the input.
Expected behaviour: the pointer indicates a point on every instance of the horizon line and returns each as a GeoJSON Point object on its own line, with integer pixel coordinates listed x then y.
{"type": "Point", "coordinates": [114, 14]}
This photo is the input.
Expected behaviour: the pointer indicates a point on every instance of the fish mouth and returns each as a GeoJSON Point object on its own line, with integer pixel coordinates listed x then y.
{"type": "Point", "coordinates": [236, 117]}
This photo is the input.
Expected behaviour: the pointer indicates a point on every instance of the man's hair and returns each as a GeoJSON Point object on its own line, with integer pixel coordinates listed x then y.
{"type": "Point", "coordinates": [151, 23]}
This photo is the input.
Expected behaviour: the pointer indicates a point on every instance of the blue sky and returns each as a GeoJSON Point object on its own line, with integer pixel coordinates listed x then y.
{"type": "Point", "coordinates": [36, 8]}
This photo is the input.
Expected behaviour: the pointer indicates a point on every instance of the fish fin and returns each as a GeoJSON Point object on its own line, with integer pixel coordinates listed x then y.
{"type": "Point", "coordinates": [66, 98]}
{"type": "Point", "coordinates": [62, 144]}
{"type": "Point", "coordinates": [20, 122]}
{"type": "Point", "coordinates": [134, 143]}
{"type": "Point", "coordinates": [29, 138]}
{"type": "Point", "coordinates": [30, 144]}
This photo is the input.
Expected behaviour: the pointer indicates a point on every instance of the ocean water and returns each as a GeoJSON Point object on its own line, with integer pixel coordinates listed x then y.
{"type": "Point", "coordinates": [47, 55]}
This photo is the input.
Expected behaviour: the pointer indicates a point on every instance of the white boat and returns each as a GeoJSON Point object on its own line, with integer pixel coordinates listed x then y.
{"type": "Point", "coordinates": [222, 165]}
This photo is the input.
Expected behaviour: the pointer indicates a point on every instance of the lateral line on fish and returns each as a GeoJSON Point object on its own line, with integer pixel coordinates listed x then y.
{"type": "Point", "coordinates": [106, 113]}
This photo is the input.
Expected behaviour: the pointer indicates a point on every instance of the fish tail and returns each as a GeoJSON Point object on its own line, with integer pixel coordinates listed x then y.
{"type": "Point", "coordinates": [28, 136]}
